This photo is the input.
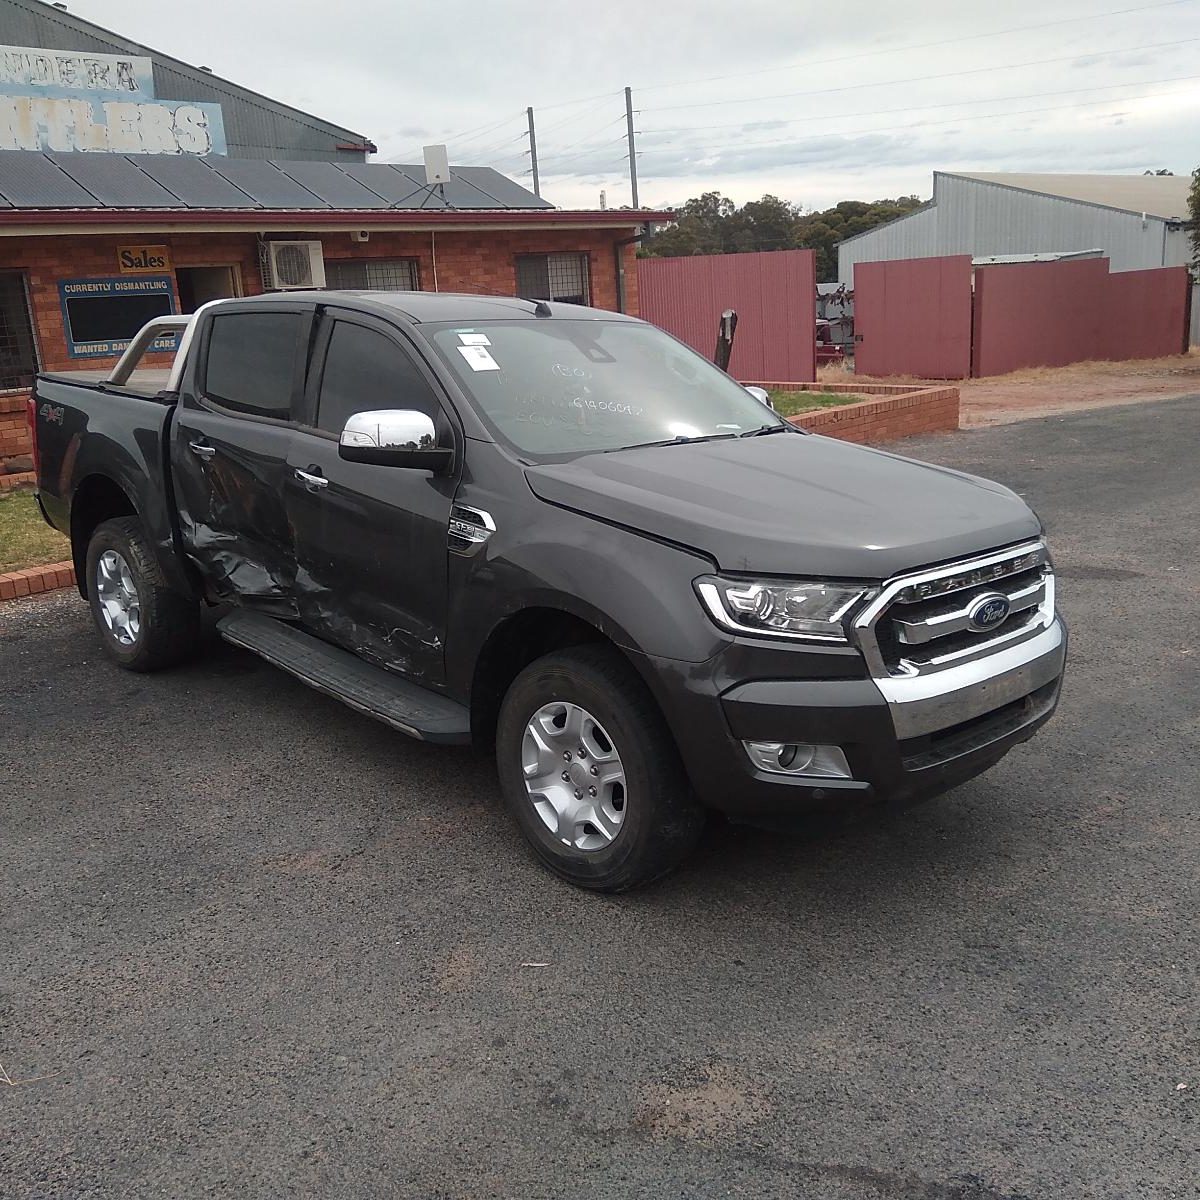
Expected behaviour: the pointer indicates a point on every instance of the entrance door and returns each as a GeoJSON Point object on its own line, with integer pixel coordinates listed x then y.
{"type": "Point", "coordinates": [229, 452]}
{"type": "Point", "coordinates": [370, 541]}
{"type": "Point", "coordinates": [199, 285]}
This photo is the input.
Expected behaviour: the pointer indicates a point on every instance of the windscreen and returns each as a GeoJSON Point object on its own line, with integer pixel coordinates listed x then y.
{"type": "Point", "coordinates": [561, 387]}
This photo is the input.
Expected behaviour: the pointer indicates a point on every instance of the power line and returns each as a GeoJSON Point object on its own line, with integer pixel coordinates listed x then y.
{"type": "Point", "coordinates": [854, 133]}
{"type": "Point", "coordinates": [970, 37]}
{"type": "Point", "coordinates": [852, 87]}
{"type": "Point", "coordinates": [880, 112]}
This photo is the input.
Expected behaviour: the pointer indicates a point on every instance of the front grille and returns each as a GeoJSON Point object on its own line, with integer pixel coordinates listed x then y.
{"type": "Point", "coordinates": [924, 622]}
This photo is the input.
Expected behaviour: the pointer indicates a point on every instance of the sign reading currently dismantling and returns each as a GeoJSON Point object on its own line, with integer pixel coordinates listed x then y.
{"type": "Point", "coordinates": [101, 316]}
{"type": "Point", "coordinates": [68, 100]}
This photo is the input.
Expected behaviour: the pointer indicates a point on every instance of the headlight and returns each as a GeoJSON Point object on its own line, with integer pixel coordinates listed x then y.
{"type": "Point", "coordinates": [809, 611]}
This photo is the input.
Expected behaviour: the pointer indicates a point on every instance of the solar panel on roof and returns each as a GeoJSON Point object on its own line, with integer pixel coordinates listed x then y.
{"type": "Point", "coordinates": [383, 179]}
{"type": "Point", "coordinates": [472, 187]}
{"type": "Point", "coordinates": [30, 180]}
{"type": "Point", "coordinates": [193, 180]}
{"type": "Point", "coordinates": [114, 180]}
{"type": "Point", "coordinates": [266, 183]}
{"type": "Point", "coordinates": [506, 193]}
{"type": "Point", "coordinates": [422, 195]}
{"type": "Point", "coordinates": [332, 184]}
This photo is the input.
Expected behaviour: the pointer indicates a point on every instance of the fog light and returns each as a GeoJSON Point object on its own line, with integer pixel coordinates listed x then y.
{"type": "Point", "coordinates": [799, 758]}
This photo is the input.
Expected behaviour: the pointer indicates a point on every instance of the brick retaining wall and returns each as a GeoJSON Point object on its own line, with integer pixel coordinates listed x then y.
{"type": "Point", "coordinates": [899, 412]}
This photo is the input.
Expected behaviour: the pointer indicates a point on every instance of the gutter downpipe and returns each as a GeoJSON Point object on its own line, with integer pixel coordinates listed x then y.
{"type": "Point", "coordinates": [619, 264]}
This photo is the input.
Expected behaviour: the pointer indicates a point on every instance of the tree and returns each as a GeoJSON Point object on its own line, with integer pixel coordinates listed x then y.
{"type": "Point", "coordinates": [713, 224]}
{"type": "Point", "coordinates": [1194, 215]}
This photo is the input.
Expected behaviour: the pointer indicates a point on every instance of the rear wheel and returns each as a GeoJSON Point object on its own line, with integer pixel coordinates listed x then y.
{"type": "Point", "coordinates": [144, 625]}
{"type": "Point", "coordinates": [591, 773]}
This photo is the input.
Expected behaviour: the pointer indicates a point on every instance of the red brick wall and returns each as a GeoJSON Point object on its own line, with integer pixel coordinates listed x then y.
{"type": "Point", "coordinates": [468, 261]}
{"type": "Point", "coordinates": [899, 412]}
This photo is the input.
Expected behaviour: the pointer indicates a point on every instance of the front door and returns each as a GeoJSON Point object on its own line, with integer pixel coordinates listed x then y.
{"type": "Point", "coordinates": [370, 541]}
{"type": "Point", "coordinates": [229, 453]}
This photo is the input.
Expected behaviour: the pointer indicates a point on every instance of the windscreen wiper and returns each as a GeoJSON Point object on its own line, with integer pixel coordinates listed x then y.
{"type": "Point", "coordinates": [682, 439]}
{"type": "Point", "coordinates": [762, 430]}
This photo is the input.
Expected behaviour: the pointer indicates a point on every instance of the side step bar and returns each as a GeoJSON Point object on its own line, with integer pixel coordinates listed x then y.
{"type": "Point", "coordinates": [413, 710]}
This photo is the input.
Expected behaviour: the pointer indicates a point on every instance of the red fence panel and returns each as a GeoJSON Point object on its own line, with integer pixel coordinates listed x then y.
{"type": "Point", "coordinates": [772, 292]}
{"type": "Point", "coordinates": [1145, 314]}
{"type": "Point", "coordinates": [913, 317]}
{"type": "Point", "coordinates": [1038, 314]}
{"type": "Point", "coordinates": [1051, 314]}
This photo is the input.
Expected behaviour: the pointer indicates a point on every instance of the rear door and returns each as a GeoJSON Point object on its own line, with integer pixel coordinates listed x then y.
{"type": "Point", "coordinates": [232, 433]}
{"type": "Point", "coordinates": [371, 540]}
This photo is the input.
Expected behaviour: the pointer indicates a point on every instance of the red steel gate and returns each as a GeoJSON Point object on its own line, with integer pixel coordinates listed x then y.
{"type": "Point", "coordinates": [913, 317]}
{"type": "Point", "coordinates": [773, 293]}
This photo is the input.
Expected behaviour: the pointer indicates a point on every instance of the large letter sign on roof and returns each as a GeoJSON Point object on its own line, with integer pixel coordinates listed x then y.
{"type": "Point", "coordinates": [68, 100]}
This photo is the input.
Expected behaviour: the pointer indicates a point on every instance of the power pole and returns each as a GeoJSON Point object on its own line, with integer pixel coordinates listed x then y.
{"type": "Point", "coordinates": [537, 187]}
{"type": "Point", "coordinates": [632, 147]}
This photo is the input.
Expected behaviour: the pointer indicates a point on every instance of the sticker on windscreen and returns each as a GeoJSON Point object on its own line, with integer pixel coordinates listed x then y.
{"type": "Point", "coordinates": [474, 339]}
{"type": "Point", "coordinates": [478, 358]}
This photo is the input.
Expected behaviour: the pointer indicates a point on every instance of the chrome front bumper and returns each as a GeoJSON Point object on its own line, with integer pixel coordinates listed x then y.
{"type": "Point", "coordinates": [921, 704]}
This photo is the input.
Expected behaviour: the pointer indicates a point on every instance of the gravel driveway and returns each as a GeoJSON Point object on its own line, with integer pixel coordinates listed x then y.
{"type": "Point", "coordinates": [256, 945]}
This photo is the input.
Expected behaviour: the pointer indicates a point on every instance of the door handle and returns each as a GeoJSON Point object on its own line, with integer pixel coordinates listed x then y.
{"type": "Point", "coordinates": [310, 481]}
{"type": "Point", "coordinates": [201, 450]}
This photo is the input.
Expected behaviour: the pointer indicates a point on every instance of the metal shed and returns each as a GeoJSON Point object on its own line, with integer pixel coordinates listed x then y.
{"type": "Point", "coordinates": [1137, 220]}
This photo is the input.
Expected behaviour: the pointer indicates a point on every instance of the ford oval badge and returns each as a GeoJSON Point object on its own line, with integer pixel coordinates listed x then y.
{"type": "Point", "coordinates": [988, 612]}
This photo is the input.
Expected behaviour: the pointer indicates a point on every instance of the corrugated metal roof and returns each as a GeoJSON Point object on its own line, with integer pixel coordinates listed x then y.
{"type": "Point", "coordinates": [255, 125]}
{"type": "Point", "coordinates": [1162, 196]}
{"type": "Point", "coordinates": [32, 180]}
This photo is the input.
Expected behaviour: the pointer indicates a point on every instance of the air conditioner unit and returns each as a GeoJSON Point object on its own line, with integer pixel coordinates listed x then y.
{"type": "Point", "coordinates": [288, 265]}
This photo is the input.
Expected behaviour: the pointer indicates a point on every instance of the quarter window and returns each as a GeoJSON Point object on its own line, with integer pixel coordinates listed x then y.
{"type": "Point", "coordinates": [18, 354]}
{"type": "Point", "coordinates": [365, 370]}
{"type": "Point", "coordinates": [251, 362]}
{"type": "Point", "coordinates": [373, 275]}
{"type": "Point", "coordinates": [554, 277]}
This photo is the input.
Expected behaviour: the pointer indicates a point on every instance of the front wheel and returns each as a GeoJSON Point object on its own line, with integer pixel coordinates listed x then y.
{"type": "Point", "coordinates": [144, 625]}
{"type": "Point", "coordinates": [590, 771]}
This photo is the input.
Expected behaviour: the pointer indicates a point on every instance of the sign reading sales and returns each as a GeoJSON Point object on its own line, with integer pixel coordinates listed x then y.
{"type": "Point", "coordinates": [68, 100]}
{"type": "Point", "coordinates": [143, 260]}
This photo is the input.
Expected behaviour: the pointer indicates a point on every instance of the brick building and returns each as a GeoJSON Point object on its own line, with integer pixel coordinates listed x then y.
{"type": "Point", "coordinates": [49, 260]}
{"type": "Point", "coordinates": [118, 204]}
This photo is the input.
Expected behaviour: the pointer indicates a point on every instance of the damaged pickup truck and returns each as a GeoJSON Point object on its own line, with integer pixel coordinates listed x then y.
{"type": "Point", "coordinates": [560, 532]}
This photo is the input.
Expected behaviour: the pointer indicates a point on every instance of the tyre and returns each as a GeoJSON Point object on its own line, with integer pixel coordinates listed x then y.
{"type": "Point", "coordinates": [144, 625]}
{"type": "Point", "coordinates": [591, 772]}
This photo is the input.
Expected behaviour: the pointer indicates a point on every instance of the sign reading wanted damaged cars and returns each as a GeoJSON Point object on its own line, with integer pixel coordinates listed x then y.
{"type": "Point", "coordinates": [101, 316]}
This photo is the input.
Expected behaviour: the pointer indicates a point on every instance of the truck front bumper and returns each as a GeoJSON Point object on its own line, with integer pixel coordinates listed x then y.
{"type": "Point", "coordinates": [904, 739]}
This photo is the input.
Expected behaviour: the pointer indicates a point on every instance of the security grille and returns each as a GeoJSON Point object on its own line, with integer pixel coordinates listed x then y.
{"type": "Point", "coordinates": [374, 275]}
{"type": "Point", "coordinates": [554, 277]}
{"type": "Point", "coordinates": [18, 354]}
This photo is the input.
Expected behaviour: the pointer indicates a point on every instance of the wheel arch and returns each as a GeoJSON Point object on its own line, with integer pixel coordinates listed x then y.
{"type": "Point", "coordinates": [519, 639]}
{"type": "Point", "coordinates": [97, 499]}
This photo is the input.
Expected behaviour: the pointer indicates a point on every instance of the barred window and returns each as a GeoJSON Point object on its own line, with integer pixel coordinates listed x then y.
{"type": "Point", "coordinates": [18, 353]}
{"type": "Point", "coordinates": [373, 275]}
{"type": "Point", "coordinates": [554, 277]}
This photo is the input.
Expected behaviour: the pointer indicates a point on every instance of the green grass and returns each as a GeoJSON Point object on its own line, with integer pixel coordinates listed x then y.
{"type": "Point", "coordinates": [788, 404]}
{"type": "Point", "coordinates": [25, 539]}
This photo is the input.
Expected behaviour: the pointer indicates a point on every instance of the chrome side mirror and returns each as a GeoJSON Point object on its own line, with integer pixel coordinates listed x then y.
{"type": "Point", "coordinates": [762, 396]}
{"type": "Point", "coordinates": [394, 437]}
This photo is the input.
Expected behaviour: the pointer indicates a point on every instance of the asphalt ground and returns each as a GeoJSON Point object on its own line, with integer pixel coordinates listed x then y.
{"type": "Point", "coordinates": [252, 944]}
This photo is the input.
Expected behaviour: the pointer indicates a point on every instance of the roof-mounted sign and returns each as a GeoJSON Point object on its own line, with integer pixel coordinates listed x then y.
{"type": "Point", "coordinates": [71, 100]}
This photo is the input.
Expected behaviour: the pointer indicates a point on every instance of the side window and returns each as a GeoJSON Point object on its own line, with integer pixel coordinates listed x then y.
{"type": "Point", "coordinates": [366, 370]}
{"type": "Point", "coordinates": [251, 363]}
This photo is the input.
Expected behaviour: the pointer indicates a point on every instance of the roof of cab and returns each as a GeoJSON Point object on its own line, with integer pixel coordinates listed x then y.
{"type": "Point", "coordinates": [423, 307]}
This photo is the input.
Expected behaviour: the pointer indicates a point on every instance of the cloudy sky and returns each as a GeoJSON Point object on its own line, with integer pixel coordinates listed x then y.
{"type": "Point", "coordinates": [813, 102]}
